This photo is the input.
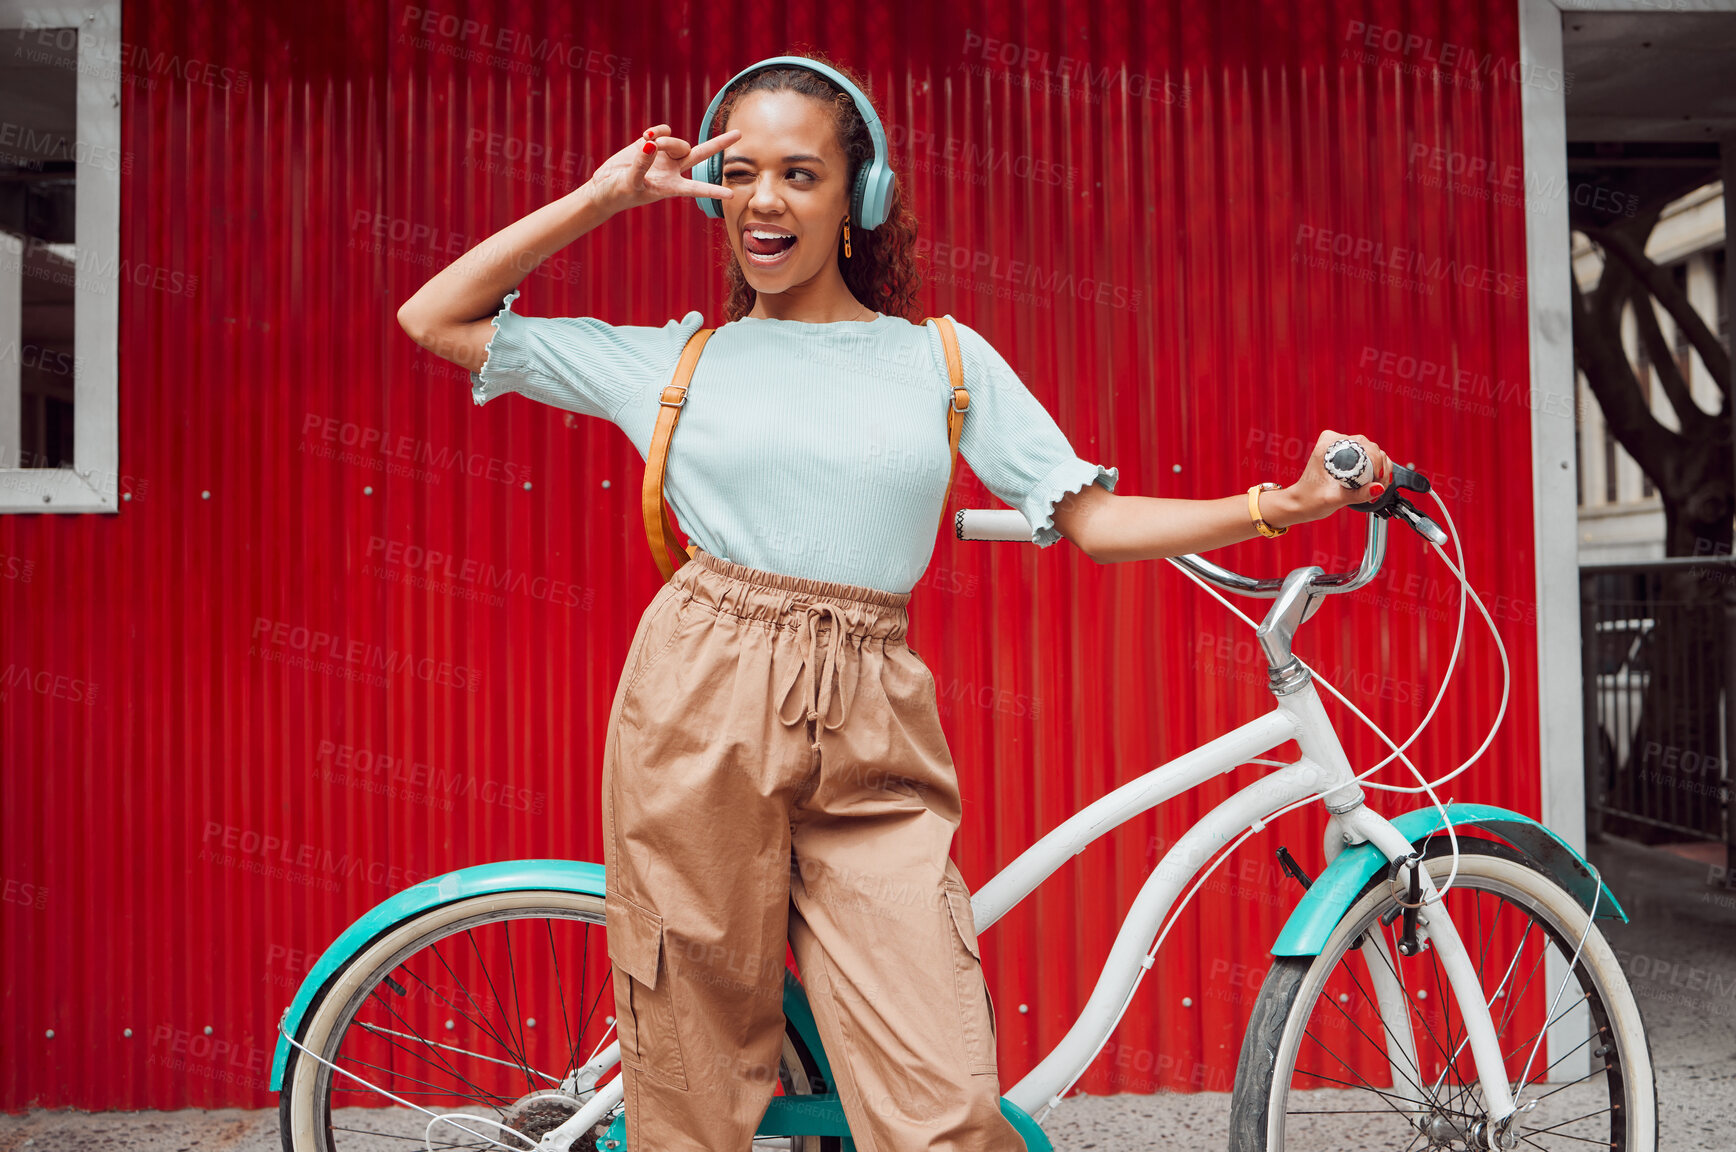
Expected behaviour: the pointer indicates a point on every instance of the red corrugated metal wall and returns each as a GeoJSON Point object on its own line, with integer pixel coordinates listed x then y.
{"type": "Point", "coordinates": [1200, 232]}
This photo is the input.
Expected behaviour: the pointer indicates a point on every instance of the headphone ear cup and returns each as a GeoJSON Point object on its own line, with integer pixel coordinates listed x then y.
{"type": "Point", "coordinates": [859, 197]}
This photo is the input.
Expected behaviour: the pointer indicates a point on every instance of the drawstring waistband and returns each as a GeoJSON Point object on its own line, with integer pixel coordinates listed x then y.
{"type": "Point", "coordinates": [855, 615]}
{"type": "Point", "coordinates": [820, 695]}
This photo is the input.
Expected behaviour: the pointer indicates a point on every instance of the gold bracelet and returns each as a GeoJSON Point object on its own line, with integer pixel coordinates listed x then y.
{"type": "Point", "coordinates": [1260, 525]}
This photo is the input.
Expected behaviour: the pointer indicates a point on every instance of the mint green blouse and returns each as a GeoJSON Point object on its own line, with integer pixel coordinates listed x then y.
{"type": "Point", "coordinates": [814, 450]}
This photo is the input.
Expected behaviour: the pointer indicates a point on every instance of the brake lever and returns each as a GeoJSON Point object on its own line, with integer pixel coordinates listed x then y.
{"type": "Point", "coordinates": [1392, 503]}
{"type": "Point", "coordinates": [1425, 527]}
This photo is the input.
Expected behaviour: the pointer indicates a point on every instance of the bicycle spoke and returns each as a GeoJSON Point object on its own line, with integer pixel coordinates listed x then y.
{"type": "Point", "coordinates": [1571, 1083]}
{"type": "Point", "coordinates": [475, 1021]}
{"type": "Point", "coordinates": [1589, 1037]}
{"type": "Point", "coordinates": [397, 1091]}
{"type": "Point", "coordinates": [1410, 1008]}
{"type": "Point", "coordinates": [470, 935]}
{"type": "Point", "coordinates": [427, 1043]}
{"type": "Point", "coordinates": [468, 995]}
{"type": "Point", "coordinates": [417, 1140]}
{"type": "Point", "coordinates": [377, 1030]}
{"type": "Point", "coordinates": [1564, 1123]}
{"type": "Point", "coordinates": [1513, 1004]}
{"type": "Point", "coordinates": [518, 1011]}
{"type": "Point", "coordinates": [1340, 1112]}
{"type": "Point", "coordinates": [1371, 1043]}
{"type": "Point", "coordinates": [1364, 1086]}
{"type": "Point", "coordinates": [439, 1056]}
{"type": "Point", "coordinates": [1554, 1135]}
{"type": "Point", "coordinates": [561, 998]}
{"type": "Point", "coordinates": [1548, 1024]}
{"type": "Point", "coordinates": [1460, 1095]}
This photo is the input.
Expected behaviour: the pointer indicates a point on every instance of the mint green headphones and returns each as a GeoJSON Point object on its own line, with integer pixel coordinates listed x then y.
{"type": "Point", "coordinates": [872, 195]}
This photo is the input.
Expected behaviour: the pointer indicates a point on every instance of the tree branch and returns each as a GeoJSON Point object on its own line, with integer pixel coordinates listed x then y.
{"type": "Point", "coordinates": [1598, 349]}
{"type": "Point", "coordinates": [1695, 421]}
{"type": "Point", "coordinates": [1663, 287]}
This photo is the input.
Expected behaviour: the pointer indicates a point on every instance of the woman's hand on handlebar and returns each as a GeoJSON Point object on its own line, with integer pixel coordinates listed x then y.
{"type": "Point", "coordinates": [634, 176]}
{"type": "Point", "coordinates": [1316, 495]}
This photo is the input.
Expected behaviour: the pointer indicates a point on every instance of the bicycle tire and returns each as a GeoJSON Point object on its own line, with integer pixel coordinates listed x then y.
{"type": "Point", "coordinates": [1281, 1034]}
{"type": "Point", "coordinates": [305, 1104]}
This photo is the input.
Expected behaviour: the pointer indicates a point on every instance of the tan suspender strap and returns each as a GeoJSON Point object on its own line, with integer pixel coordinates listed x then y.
{"type": "Point", "coordinates": [659, 530]}
{"type": "Point", "coordinates": [960, 402]}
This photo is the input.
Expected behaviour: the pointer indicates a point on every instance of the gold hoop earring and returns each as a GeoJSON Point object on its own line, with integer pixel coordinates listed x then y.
{"type": "Point", "coordinates": [846, 235]}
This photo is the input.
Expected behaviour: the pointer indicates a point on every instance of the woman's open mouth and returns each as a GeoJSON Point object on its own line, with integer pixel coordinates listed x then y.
{"type": "Point", "coordinates": [767, 247]}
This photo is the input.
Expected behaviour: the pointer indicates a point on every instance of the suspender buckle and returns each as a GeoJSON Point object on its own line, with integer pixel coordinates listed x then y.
{"type": "Point", "coordinates": [680, 396]}
{"type": "Point", "coordinates": [956, 393]}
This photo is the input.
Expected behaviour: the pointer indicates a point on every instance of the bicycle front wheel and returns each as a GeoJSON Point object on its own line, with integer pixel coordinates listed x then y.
{"type": "Point", "coordinates": [1323, 1068]}
{"type": "Point", "coordinates": [480, 1008]}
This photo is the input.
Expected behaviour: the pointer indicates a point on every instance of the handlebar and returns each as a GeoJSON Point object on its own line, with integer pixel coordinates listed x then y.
{"type": "Point", "coordinates": [1010, 524]}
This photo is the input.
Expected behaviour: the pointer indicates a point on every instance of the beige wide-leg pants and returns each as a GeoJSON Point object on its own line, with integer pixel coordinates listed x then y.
{"type": "Point", "coordinates": [775, 772]}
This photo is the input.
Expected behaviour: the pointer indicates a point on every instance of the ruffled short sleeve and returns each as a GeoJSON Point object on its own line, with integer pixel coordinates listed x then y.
{"type": "Point", "coordinates": [578, 363]}
{"type": "Point", "coordinates": [1013, 444]}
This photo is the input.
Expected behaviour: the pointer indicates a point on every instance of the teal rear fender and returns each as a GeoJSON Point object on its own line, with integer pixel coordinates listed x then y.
{"type": "Point", "coordinates": [1337, 888]}
{"type": "Point", "coordinates": [481, 880]}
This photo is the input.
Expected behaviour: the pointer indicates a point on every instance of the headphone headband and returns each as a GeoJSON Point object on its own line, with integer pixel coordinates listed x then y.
{"type": "Point", "coordinates": [871, 196]}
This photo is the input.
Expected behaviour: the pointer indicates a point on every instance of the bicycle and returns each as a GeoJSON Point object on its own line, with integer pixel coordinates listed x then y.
{"type": "Point", "coordinates": [1373, 1023]}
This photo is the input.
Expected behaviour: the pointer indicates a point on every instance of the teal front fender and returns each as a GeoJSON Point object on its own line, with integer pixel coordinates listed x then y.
{"type": "Point", "coordinates": [1337, 888]}
{"type": "Point", "coordinates": [481, 880]}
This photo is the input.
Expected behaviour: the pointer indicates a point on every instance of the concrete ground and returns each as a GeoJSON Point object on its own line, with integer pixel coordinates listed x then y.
{"type": "Point", "coordinates": [1679, 952]}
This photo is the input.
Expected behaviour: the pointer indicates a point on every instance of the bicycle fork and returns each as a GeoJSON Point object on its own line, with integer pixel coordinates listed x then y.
{"type": "Point", "coordinates": [1353, 822]}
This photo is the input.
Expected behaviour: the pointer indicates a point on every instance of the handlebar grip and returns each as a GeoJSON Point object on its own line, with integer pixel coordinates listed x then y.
{"type": "Point", "coordinates": [1347, 462]}
{"type": "Point", "coordinates": [991, 524]}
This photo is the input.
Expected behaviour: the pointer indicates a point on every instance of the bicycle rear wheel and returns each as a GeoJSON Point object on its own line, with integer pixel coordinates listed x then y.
{"type": "Point", "coordinates": [481, 1007]}
{"type": "Point", "coordinates": [1320, 1068]}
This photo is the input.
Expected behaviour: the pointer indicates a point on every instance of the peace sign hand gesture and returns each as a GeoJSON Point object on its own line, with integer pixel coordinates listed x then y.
{"type": "Point", "coordinates": [649, 169]}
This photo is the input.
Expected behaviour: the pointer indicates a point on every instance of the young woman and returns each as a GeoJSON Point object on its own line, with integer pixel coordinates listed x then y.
{"type": "Point", "coordinates": [775, 768]}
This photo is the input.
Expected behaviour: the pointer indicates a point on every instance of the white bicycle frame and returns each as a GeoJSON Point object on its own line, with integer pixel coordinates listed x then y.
{"type": "Point", "coordinates": [1323, 770]}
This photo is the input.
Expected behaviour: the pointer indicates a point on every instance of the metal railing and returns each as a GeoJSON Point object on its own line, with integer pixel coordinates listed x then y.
{"type": "Point", "coordinates": [1658, 643]}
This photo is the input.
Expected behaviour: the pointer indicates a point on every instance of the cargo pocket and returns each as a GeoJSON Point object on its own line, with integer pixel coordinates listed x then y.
{"type": "Point", "coordinates": [976, 1021]}
{"type": "Point", "coordinates": [644, 991]}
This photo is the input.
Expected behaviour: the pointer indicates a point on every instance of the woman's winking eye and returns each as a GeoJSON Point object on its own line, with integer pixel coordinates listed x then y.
{"type": "Point", "coordinates": [734, 172]}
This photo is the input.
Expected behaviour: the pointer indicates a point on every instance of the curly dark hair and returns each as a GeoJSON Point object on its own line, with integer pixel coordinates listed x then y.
{"type": "Point", "coordinates": [881, 271]}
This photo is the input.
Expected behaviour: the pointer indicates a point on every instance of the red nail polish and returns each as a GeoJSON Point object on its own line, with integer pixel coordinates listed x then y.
{"type": "Point", "coordinates": [650, 133]}
{"type": "Point", "coordinates": [650, 147]}
{"type": "Point", "coordinates": [1377, 490]}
